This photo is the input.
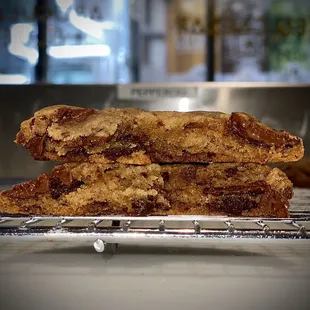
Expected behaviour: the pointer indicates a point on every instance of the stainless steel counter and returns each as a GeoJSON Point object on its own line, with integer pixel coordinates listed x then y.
{"type": "Point", "coordinates": [279, 105]}
{"type": "Point", "coordinates": [239, 274]}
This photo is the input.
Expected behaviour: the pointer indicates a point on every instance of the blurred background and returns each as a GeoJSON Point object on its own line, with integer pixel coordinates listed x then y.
{"type": "Point", "coordinates": [126, 41]}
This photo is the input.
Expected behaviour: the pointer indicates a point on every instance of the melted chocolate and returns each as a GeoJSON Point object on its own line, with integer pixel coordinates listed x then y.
{"type": "Point", "coordinates": [69, 115]}
{"type": "Point", "coordinates": [144, 174]}
{"type": "Point", "coordinates": [29, 189]}
{"type": "Point", "coordinates": [77, 154]}
{"type": "Point", "coordinates": [253, 189]}
{"type": "Point", "coordinates": [252, 131]}
{"type": "Point", "coordinates": [62, 174]}
{"type": "Point", "coordinates": [234, 205]}
{"type": "Point", "coordinates": [165, 175]}
{"type": "Point", "coordinates": [91, 141]}
{"type": "Point", "coordinates": [36, 147]}
{"type": "Point", "coordinates": [231, 172]}
{"type": "Point", "coordinates": [129, 137]}
{"type": "Point", "coordinates": [275, 204]}
{"type": "Point", "coordinates": [160, 124]}
{"type": "Point", "coordinates": [113, 153]}
{"type": "Point", "coordinates": [126, 134]}
{"type": "Point", "coordinates": [57, 188]}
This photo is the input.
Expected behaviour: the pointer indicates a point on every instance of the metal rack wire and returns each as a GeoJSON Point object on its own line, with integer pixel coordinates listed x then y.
{"type": "Point", "coordinates": [101, 230]}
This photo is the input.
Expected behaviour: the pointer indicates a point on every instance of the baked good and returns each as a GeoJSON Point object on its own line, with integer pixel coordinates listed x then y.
{"type": "Point", "coordinates": [298, 173]}
{"type": "Point", "coordinates": [88, 189]}
{"type": "Point", "coordinates": [134, 136]}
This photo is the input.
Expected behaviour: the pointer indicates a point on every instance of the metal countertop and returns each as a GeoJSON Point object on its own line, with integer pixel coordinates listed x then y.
{"type": "Point", "coordinates": [226, 274]}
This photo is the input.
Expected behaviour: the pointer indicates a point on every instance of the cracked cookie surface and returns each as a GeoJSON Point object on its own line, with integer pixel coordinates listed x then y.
{"type": "Point", "coordinates": [135, 136]}
{"type": "Point", "coordinates": [88, 189]}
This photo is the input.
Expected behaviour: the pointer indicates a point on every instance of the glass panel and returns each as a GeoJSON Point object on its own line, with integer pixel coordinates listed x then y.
{"type": "Point", "coordinates": [122, 41]}
{"type": "Point", "coordinates": [171, 39]}
{"type": "Point", "coordinates": [266, 40]}
{"type": "Point", "coordinates": [18, 42]}
{"type": "Point", "coordinates": [89, 42]}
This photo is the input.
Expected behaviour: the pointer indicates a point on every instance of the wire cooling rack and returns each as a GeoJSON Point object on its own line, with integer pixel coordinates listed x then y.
{"type": "Point", "coordinates": [107, 230]}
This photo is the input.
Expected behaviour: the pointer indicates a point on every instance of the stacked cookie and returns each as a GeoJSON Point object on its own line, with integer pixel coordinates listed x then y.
{"type": "Point", "coordinates": [139, 163]}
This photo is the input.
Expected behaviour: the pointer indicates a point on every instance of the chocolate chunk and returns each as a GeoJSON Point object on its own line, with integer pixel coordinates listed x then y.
{"type": "Point", "coordinates": [91, 140]}
{"type": "Point", "coordinates": [234, 205]}
{"type": "Point", "coordinates": [247, 128]}
{"type": "Point", "coordinates": [211, 155]}
{"type": "Point", "coordinates": [165, 176]}
{"type": "Point", "coordinates": [36, 147]}
{"type": "Point", "coordinates": [144, 174]}
{"type": "Point", "coordinates": [231, 172]}
{"type": "Point", "coordinates": [29, 189]}
{"type": "Point", "coordinates": [253, 189]}
{"type": "Point", "coordinates": [33, 120]}
{"type": "Point", "coordinates": [143, 207]}
{"type": "Point", "coordinates": [63, 174]}
{"type": "Point", "coordinates": [57, 188]}
{"type": "Point", "coordinates": [131, 138]}
{"type": "Point", "coordinates": [113, 153]}
{"type": "Point", "coordinates": [157, 186]}
{"type": "Point", "coordinates": [158, 154]}
{"type": "Point", "coordinates": [77, 154]}
{"type": "Point", "coordinates": [189, 173]}
{"type": "Point", "coordinates": [42, 184]}
{"type": "Point", "coordinates": [275, 203]}
{"type": "Point", "coordinates": [68, 115]}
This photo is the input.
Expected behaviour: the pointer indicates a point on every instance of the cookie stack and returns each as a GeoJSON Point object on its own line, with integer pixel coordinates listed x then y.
{"type": "Point", "coordinates": [140, 163]}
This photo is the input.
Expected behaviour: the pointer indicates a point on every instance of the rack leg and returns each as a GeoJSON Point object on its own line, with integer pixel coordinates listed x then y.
{"type": "Point", "coordinates": [102, 246]}
{"type": "Point", "coordinates": [113, 247]}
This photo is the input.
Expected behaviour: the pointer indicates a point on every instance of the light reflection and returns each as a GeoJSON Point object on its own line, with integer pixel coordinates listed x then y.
{"type": "Point", "coordinates": [183, 105]}
{"type": "Point", "coordinates": [7, 79]}
{"type": "Point", "coordinates": [86, 25]}
{"type": "Point", "coordinates": [79, 51]}
{"type": "Point", "coordinates": [20, 34]}
{"type": "Point", "coordinates": [64, 5]}
{"type": "Point", "coordinates": [90, 26]}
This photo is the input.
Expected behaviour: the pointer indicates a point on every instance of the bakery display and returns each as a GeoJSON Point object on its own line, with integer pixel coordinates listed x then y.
{"type": "Point", "coordinates": [89, 189]}
{"type": "Point", "coordinates": [134, 136]}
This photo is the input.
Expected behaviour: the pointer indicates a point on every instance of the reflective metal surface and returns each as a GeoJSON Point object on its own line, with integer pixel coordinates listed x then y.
{"type": "Point", "coordinates": [278, 105]}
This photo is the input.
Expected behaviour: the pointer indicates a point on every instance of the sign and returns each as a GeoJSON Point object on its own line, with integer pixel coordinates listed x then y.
{"type": "Point", "coordinates": [153, 92]}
